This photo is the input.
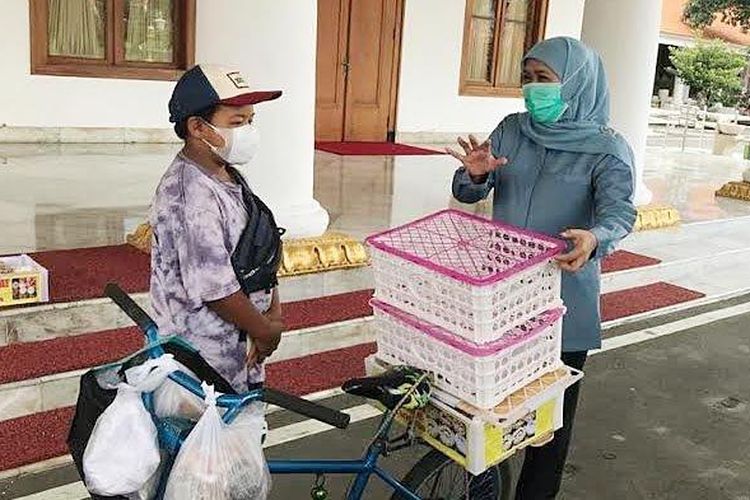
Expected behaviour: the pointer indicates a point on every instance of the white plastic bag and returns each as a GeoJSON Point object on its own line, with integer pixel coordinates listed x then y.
{"type": "Point", "coordinates": [123, 451]}
{"type": "Point", "coordinates": [220, 462]}
{"type": "Point", "coordinates": [173, 400]}
{"type": "Point", "coordinates": [148, 491]}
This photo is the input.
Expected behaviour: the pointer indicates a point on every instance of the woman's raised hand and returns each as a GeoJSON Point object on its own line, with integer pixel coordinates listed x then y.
{"type": "Point", "coordinates": [478, 159]}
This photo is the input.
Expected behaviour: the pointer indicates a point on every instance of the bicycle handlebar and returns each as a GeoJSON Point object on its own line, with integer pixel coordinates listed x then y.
{"type": "Point", "coordinates": [307, 408]}
{"type": "Point", "coordinates": [129, 307]}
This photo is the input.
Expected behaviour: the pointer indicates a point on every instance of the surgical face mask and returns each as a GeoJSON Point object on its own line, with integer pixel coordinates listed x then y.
{"type": "Point", "coordinates": [240, 143]}
{"type": "Point", "coordinates": [544, 101]}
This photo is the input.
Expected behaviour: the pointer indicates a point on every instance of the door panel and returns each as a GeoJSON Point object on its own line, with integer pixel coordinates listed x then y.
{"type": "Point", "coordinates": [330, 81]}
{"type": "Point", "coordinates": [371, 58]}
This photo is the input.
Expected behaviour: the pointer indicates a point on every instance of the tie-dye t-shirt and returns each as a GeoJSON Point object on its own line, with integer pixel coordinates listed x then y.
{"type": "Point", "coordinates": [197, 221]}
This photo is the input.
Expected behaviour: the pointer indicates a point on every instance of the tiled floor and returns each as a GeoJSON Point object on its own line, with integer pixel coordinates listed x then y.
{"type": "Point", "coordinates": [68, 196]}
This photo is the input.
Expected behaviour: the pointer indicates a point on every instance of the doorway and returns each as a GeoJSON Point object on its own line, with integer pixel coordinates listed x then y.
{"type": "Point", "coordinates": [358, 48]}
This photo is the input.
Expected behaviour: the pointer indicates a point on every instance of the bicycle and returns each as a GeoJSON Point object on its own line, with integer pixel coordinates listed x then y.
{"type": "Point", "coordinates": [434, 476]}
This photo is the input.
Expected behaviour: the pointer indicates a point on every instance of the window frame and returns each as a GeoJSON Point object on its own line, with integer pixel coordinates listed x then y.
{"type": "Point", "coordinates": [467, 87]}
{"type": "Point", "coordinates": [114, 64]}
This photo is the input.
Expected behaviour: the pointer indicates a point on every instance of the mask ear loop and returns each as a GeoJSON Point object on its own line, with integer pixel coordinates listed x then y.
{"type": "Point", "coordinates": [213, 148]}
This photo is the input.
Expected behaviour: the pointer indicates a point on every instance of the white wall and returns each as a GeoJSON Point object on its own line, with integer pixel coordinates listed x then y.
{"type": "Point", "coordinates": [271, 41]}
{"type": "Point", "coordinates": [430, 67]}
{"type": "Point", "coordinates": [55, 101]}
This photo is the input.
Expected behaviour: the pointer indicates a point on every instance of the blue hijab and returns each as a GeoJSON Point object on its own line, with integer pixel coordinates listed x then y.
{"type": "Point", "coordinates": [584, 127]}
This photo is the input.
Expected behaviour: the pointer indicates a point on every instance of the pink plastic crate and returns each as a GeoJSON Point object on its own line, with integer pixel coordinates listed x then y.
{"type": "Point", "coordinates": [474, 277]}
{"type": "Point", "coordinates": [482, 375]}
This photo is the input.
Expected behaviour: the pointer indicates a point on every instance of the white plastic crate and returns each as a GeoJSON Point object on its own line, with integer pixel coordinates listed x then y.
{"type": "Point", "coordinates": [478, 439]}
{"type": "Point", "coordinates": [481, 375]}
{"type": "Point", "coordinates": [474, 277]}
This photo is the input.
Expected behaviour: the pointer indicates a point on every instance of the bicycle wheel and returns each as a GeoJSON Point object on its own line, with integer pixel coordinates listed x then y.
{"type": "Point", "coordinates": [437, 477]}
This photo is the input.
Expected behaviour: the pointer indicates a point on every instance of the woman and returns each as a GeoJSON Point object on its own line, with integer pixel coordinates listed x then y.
{"type": "Point", "coordinates": [558, 169]}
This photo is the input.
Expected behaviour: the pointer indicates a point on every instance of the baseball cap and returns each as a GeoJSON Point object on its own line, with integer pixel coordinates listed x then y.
{"type": "Point", "coordinates": [206, 85]}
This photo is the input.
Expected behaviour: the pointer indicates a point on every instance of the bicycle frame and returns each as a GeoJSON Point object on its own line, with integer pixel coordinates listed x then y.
{"type": "Point", "coordinates": [362, 468]}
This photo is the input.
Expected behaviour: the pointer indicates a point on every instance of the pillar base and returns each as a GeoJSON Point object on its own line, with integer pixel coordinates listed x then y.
{"type": "Point", "coordinates": [656, 217]}
{"type": "Point", "coordinates": [141, 238]}
{"type": "Point", "coordinates": [303, 220]}
{"type": "Point", "coordinates": [735, 190]}
{"type": "Point", "coordinates": [329, 252]}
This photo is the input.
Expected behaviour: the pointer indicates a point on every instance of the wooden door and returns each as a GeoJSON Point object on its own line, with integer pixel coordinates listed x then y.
{"type": "Point", "coordinates": [330, 78]}
{"type": "Point", "coordinates": [357, 69]}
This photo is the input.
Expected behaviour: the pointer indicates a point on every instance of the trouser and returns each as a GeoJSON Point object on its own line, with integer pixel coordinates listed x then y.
{"type": "Point", "coordinates": [542, 470]}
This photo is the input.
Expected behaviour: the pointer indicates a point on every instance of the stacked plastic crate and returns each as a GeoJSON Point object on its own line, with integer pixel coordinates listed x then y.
{"type": "Point", "coordinates": [477, 304]}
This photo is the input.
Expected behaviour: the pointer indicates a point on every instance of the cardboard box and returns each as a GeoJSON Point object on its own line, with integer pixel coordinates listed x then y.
{"type": "Point", "coordinates": [478, 439]}
{"type": "Point", "coordinates": [22, 281]}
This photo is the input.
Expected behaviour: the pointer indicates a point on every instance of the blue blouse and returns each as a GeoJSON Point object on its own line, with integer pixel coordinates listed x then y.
{"type": "Point", "coordinates": [549, 191]}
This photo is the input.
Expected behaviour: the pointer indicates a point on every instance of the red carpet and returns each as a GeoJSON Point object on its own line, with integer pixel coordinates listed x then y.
{"type": "Point", "coordinates": [325, 310]}
{"type": "Point", "coordinates": [30, 360]}
{"type": "Point", "coordinates": [318, 372]}
{"type": "Point", "coordinates": [373, 149]}
{"type": "Point", "coordinates": [623, 260]}
{"type": "Point", "coordinates": [31, 439]}
{"type": "Point", "coordinates": [616, 305]}
{"type": "Point", "coordinates": [42, 436]}
{"type": "Point", "coordinates": [82, 273]}
{"type": "Point", "coordinates": [34, 359]}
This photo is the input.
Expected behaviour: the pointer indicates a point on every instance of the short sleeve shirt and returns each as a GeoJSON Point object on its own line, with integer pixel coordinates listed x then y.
{"type": "Point", "coordinates": [197, 220]}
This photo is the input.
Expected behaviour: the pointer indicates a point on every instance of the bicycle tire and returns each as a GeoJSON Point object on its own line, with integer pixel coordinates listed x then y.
{"type": "Point", "coordinates": [434, 460]}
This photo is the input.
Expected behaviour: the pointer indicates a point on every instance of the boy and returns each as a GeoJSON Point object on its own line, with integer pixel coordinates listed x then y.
{"type": "Point", "coordinates": [200, 219]}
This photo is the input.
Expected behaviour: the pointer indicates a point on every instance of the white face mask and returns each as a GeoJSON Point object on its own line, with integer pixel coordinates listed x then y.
{"type": "Point", "coordinates": [240, 143]}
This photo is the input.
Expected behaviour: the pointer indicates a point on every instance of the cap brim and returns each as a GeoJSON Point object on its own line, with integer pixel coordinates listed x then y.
{"type": "Point", "coordinates": [252, 98]}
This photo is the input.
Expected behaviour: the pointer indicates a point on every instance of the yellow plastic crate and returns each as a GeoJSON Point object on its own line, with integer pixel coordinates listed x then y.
{"type": "Point", "coordinates": [22, 281]}
{"type": "Point", "coordinates": [478, 439]}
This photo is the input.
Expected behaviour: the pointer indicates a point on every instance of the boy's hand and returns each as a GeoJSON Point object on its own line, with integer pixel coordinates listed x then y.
{"type": "Point", "coordinates": [274, 312]}
{"type": "Point", "coordinates": [262, 349]}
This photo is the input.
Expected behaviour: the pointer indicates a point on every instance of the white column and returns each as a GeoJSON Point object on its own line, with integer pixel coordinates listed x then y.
{"type": "Point", "coordinates": [626, 34]}
{"type": "Point", "coordinates": [273, 42]}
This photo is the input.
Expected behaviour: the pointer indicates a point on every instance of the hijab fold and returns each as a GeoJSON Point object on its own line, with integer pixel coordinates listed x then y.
{"type": "Point", "coordinates": [584, 127]}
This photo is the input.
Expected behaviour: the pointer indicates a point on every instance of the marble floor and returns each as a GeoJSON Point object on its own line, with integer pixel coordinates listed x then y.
{"type": "Point", "coordinates": [66, 196]}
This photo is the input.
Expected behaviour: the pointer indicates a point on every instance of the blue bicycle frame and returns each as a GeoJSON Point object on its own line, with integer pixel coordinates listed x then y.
{"type": "Point", "coordinates": [363, 468]}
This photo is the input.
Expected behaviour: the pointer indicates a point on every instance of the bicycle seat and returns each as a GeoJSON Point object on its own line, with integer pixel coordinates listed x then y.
{"type": "Point", "coordinates": [390, 387]}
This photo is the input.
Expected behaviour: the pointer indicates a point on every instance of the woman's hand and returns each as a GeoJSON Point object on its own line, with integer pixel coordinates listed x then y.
{"type": "Point", "coordinates": [584, 243]}
{"type": "Point", "coordinates": [478, 160]}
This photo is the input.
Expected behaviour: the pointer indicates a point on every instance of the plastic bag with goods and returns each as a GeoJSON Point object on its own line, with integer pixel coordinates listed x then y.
{"type": "Point", "coordinates": [219, 461]}
{"type": "Point", "coordinates": [173, 400]}
{"type": "Point", "coordinates": [123, 452]}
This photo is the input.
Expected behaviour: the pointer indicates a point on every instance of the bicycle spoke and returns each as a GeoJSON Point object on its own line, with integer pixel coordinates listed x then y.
{"type": "Point", "coordinates": [450, 481]}
{"type": "Point", "coordinates": [433, 492]}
